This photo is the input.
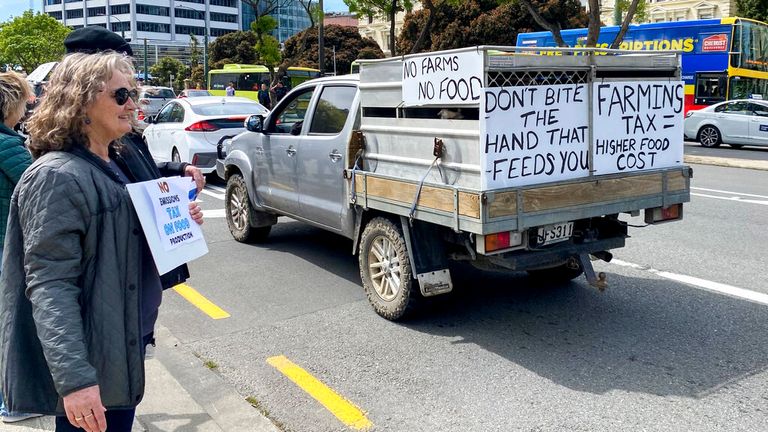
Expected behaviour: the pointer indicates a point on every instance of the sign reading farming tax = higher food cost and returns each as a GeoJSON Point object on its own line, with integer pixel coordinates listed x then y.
{"type": "Point", "coordinates": [533, 134]}
{"type": "Point", "coordinates": [638, 125]}
{"type": "Point", "coordinates": [443, 79]}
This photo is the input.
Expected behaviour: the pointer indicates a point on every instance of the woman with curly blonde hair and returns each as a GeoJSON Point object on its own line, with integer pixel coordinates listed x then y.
{"type": "Point", "coordinates": [80, 290]}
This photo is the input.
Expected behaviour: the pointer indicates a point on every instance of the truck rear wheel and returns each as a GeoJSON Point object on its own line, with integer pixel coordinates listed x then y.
{"type": "Point", "coordinates": [238, 211]}
{"type": "Point", "coordinates": [386, 269]}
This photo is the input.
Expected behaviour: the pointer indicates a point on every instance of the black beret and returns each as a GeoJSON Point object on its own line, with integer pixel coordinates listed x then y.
{"type": "Point", "coordinates": [92, 39]}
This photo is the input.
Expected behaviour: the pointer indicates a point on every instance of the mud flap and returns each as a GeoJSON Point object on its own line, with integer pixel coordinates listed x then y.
{"type": "Point", "coordinates": [426, 250]}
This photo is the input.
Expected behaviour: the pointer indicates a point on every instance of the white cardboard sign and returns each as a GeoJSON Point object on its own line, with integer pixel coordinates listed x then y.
{"type": "Point", "coordinates": [638, 125]}
{"type": "Point", "coordinates": [443, 79]}
{"type": "Point", "coordinates": [162, 206]}
{"type": "Point", "coordinates": [533, 134]}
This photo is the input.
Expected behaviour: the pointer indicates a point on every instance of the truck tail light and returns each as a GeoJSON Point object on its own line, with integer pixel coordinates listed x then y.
{"type": "Point", "coordinates": [194, 160]}
{"type": "Point", "coordinates": [664, 214]}
{"type": "Point", "coordinates": [201, 126]}
{"type": "Point", "coordinates": [502, 240]}
{"type": "Point", "coordinates": [140, 115]}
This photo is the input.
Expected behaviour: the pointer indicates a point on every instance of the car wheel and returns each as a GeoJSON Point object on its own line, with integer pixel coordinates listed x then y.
{"type": "Point", "coordinates": [709, 136]}
{"type": "Point", "coordinates": [736, 146]}
{"type": "Point", "coordinates": [238, 210]}
{"type": "Point", "coordinates": [386, 269]}
{"type": "Point", "coordinates": [175, 157]}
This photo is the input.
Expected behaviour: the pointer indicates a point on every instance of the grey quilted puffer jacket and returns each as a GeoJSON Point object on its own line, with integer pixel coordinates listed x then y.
{"type": "Point", "coordinates": [69, 297]}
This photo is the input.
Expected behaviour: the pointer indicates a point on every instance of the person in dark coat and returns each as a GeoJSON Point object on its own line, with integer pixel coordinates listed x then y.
{"type": "Point", "coordinates": [264, 96]}
{"type": "Point", "coordinates": [15, 91]}
{"type": "Point", "coordinates": [79, 292]}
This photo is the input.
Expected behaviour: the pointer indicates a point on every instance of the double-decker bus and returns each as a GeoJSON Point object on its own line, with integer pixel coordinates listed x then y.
{"type": "Point", "coordinates": [722, 59]}
{"type": "Point", "coordinates": [248, 78]}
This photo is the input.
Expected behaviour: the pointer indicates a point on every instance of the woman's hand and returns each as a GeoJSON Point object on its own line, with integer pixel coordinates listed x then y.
{"type": "Point", "coordinates": [196, 212]}
{"type": "Point", "coordinates": [84, 409]}
{"type": "Point", "coordinates": [197, 175]}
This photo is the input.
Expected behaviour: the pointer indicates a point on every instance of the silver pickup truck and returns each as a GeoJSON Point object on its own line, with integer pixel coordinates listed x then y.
{"type": "Point", "coordinates": [418, 185]}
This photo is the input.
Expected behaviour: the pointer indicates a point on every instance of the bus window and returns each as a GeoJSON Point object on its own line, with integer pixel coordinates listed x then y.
{"type": "Point", "coordinates": [748, 88]}
{"type": "Point", "coordinates": [710, 88]}
{"type": "Point", "coordinates": [251, 81]}
{"type": "Point", "coordinates": [219, 81]}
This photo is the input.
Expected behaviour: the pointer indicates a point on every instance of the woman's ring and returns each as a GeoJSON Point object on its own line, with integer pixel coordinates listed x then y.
{"type": "Point", "coordinates": [78, 418]}
{"type": "Point", "coordinates": [89, 415]}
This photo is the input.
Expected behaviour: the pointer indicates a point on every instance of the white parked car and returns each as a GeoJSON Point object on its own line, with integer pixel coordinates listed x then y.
{"type": "Point", "coordinates": [737, 123]}
{"type": "Point", "coordinates": [188, 129]}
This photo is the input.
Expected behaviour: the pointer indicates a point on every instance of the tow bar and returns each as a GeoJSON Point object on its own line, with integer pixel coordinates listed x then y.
{"type": "Point", "coordinates": [598, 281]}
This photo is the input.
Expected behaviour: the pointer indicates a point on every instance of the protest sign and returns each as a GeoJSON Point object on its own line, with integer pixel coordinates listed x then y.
{"type": "Point", "coordinates": [638, 125]}
{"type": "Point", "coordinates": [533, 134]}
{"type": "Point", "coordinates": [443, 79]}
{"type": "Point", "coordinates": [162, 206]}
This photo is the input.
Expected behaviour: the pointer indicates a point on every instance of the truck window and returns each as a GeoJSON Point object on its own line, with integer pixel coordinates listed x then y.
{"type": "Point", "coordinates": [332, 110]}
{"type": "Point", "coordinates": [289, 117]}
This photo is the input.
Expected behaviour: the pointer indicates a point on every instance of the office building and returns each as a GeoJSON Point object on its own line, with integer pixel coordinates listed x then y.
{"type": "Point", "coordinates": [291, 18]}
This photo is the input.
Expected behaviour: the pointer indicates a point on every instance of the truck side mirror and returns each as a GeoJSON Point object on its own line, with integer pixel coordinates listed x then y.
{"type": "Point", "coordinates": [254, 123]}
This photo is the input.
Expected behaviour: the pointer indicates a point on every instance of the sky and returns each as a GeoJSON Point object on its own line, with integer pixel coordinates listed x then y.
{"type": "Point", "coordinates": [11, 8]}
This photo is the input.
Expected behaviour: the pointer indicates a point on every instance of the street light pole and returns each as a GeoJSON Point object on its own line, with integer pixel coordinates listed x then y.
{"type": "Point", "coordinates": [205, 41]}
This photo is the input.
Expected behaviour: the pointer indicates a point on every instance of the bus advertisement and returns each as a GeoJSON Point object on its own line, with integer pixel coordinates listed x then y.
{"type": "Point", "coordinates": [722, 59]}
{"type": "Point", "coordinates": [248, 78]}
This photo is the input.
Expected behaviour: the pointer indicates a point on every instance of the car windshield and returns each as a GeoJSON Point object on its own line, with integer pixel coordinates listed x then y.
{"type": "Point", "coordinates": [227, 109]}
{"type": "Point", "coordinates": [198, 93]}
{"type": "Point", "coordinates": [159, 93]}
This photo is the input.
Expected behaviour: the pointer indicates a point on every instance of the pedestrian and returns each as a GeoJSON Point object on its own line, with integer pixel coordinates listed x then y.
{"type": "Point", "coordinates": [230, 89]}
{"type": "Point", "coordinates": [279, 90]}
{"type": "Point", "coordinates": [93, 39]}
{"type": "Point", "coordinates": [78, 282]}
{"type": "Point", "coordinates": [264, 96]}
{"type": "Point", "coordinates": [15, 91]}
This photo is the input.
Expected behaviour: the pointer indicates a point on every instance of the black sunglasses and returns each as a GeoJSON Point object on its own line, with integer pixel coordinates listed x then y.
{"type": "Point", "coordinates": [122, 94]}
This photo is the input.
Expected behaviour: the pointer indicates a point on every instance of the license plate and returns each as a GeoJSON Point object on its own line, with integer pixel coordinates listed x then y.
{"type": "Point", "coordinates": [554, 233]}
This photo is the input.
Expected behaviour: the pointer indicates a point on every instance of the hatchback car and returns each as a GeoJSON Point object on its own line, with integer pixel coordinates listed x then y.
{"type": "Point", "coordinates": [188, 129]}
{"type": "Point", "coordinates": [736, 123]}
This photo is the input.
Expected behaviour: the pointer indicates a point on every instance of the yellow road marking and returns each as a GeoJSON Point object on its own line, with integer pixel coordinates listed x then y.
{"type": "Point", "coordinates": [343, 409]}
{"type": "Point", "coordinates": [200, 302]}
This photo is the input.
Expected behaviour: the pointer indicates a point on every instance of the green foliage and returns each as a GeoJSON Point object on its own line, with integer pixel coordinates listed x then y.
{"type": "Point", "coordinates": [301, 49]}
{"type": "Point", "coordinates": [167, 66]}
{"type": "Point", "coordinates": [380, 8]}
{"type": "Point", "coordinates": [484, 22]}
{"type": "Point", "coordinates": [32, 39]}
{"type": "Point", "coordinates": [196, 54]}
{"type": "Point", "coordinates": [263, 24]}
{"type": "Point", "coordinates": [641, 13]}
{"type": "Point", "coordinates": [754, 9]}
{"type": "Point", "coordinates": [267, 46]}
{"type": "Point", "coordinates": [236, 47]}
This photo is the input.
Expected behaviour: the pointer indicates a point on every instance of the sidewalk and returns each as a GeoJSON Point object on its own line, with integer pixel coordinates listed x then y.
{"type": "Point", "coordinates": [181, 395]}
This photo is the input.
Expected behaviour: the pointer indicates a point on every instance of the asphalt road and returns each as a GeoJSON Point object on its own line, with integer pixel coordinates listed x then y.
{"type": "Point", "coordinates": [654, 352]}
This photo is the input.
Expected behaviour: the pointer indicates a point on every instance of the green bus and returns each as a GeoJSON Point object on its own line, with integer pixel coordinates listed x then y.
{"type": "Point", "coordinates": [248, 78]}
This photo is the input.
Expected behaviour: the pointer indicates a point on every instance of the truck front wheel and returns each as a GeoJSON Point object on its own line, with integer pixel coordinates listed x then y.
{"type": "Point", "coordinates": [385, 268]}
{"type": "Point", "coordinates": [238, 211]}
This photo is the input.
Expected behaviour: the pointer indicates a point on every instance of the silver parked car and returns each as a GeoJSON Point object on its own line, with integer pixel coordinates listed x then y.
{"type": "Point", "coordinates": [737, 123]}
{"type": "Point", "coordinates": [151, 99]}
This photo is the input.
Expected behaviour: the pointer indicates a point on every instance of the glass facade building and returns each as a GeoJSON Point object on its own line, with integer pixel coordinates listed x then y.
{"type": "Point", "coordinates": [291, 19]}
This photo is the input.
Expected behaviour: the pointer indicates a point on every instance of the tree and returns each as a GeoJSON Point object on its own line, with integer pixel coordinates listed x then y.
{"type": "Point", "coordinates": [481, 22]}
{"type": "Point", "coordinates": [754, 9]}
{"type": "Point", "coordinates": [32, 39]}
{"type": "Point", "coordinates": [347, 41]}
{"type": "Point", "coordinates": [386, 9]}
{"type": "Point", "coordinates": [641, 13]}
{"type": "Point", "coordinates": [167, 67]}
{"type": "Point", "coordinates": [235, 47]}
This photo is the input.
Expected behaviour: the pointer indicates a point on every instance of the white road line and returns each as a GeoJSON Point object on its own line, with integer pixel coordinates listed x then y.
{"type": "Point", "coordinates": [729, 192]}
{"type": "Point", "coordinates": [213, 194]}
{"type": "Point", "coordinates": [733, 198]}
{"type": "Point", "coordinates": [218, 213]}
{"type": "Point", "coordinates": [216, 188]}
{"type": "Point", "coordinates": [703, 284]}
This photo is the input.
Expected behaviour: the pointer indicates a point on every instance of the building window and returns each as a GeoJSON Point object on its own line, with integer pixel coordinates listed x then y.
{"type": "Point", "coordinates": [216, 32]}
{"type": "Point", "coordinates": [188, 13]}
{"type": "Point", "coordinates": [74, 13]}
{"type": "Point", "coordinates": [153, 27]}
{"type": "Point", "coordinates": [222, 17]}
{"type": "Point", "coordinates": [104, 25]}
{"type": "Point", "coordinates": [192, 1]}
{"type": "Point", "coordinates": [121, 26]}
{"type": "Point", "coordinates": [97, 11]}
{"type": "Point", "coordinates": [120, 9]}
{"type": "Point", "coordinates": [186, 30]}
{"type": "Point", "coordinates": [72, 1]}
{"type": "Point", "coordinates": [52, 2]}
{"type": "Point", "coordinates": [152, 10]}
{"type": "Point", "coordinates": [75, 27]}
{"type": "Point", "coordinates": [225, 3]}
{"type": "Point", "coordinates": [55, 15]}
